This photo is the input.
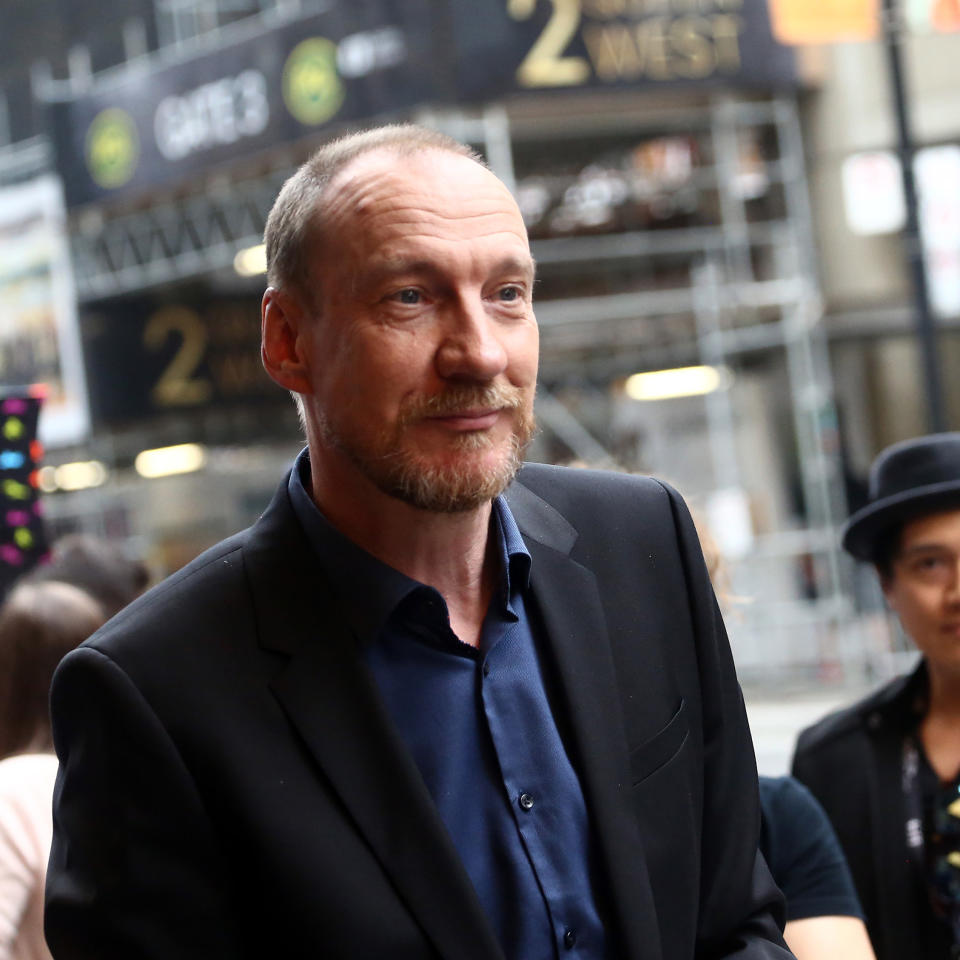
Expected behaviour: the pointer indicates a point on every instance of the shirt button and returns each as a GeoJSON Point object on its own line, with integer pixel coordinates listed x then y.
{"type": "Point", "coordinates": [569, 939]}
{"type": "Point", "coordinates": [486, 669]}
{"type": "Point", "coordinates": [526, 801]}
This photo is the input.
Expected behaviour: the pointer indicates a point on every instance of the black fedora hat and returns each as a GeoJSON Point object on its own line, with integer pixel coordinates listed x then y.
{"type": "Point", "coordinates": [908, 479]}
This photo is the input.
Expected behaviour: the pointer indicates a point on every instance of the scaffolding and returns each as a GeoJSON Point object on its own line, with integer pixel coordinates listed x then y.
{"type": "Point", "coordinates": [721, 310]}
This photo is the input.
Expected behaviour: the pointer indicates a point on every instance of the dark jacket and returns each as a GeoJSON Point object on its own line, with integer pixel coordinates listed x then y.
{"type": "Point", "coordinates": [232, 786]}
{"type": "Point", "coordinates": [852, 762]}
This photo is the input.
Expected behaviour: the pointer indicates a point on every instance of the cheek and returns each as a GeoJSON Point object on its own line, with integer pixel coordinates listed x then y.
{"type": "Point", "coordinates": [915, 607]}
{"type": "Point", "coordinates": [388, 371]}
{"type": "Point", "coordinates": [524, 351]}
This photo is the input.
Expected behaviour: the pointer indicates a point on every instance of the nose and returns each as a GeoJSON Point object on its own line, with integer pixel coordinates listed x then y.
{"type": "Point", "coordinates": [471, 347]}
{"type": "Point", "coordinates": [953, 586]}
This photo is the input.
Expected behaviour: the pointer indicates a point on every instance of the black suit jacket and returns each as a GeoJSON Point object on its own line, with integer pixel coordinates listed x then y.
{"type": "Point", "coordinates": [852, 761]}
{"type": "Point", "coordinates": [232, 786]}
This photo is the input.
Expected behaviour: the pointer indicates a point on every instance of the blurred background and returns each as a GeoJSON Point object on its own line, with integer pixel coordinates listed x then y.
{"type": "Point", "coordinates": [746, 217]}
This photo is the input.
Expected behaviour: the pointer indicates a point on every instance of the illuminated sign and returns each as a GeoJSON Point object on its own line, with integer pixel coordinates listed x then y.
{"type": "Point", "coordinates": [39, 339]}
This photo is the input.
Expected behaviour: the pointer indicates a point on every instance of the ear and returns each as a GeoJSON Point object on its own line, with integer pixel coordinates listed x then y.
{"type": "Point", "coordinates": [283, 340]}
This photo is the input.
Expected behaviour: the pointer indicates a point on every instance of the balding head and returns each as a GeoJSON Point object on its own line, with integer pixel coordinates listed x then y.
{"type": "Point", "coordinates": [295, 225]}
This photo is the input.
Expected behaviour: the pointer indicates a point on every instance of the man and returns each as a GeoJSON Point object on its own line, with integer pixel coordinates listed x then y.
{"type": "Point", "coordinates": [405, 716]}
{"type": "Point", "coordinates": [887, 770]}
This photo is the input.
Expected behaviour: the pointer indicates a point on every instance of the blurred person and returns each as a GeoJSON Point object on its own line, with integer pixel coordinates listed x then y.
{"type": "Point", "coordinates": [39, 624]}
{"type": "Point", "coordinates": [824, 918]}
{"type": "Point", "coordinates": [887, 769]}
{"type": "Point", "coordinates": [421, 708]}
{"type": "Point", "coordinates": [101, 568]}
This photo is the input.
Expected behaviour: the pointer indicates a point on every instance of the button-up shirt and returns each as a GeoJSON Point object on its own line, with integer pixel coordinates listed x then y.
{"type": "Point", "coordinates": [480, 728]}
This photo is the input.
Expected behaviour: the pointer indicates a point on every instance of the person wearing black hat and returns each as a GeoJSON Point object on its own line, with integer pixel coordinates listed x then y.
{"type": "Point", "coordinates": [887, 769]}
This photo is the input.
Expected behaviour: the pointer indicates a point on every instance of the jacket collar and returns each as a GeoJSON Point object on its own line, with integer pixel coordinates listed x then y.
{"type": "Point", "coordinates": [897, 703]}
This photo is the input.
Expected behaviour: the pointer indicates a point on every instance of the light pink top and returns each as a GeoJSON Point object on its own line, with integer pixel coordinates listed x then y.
{"type": "Point", "coordinates": [26, 791]}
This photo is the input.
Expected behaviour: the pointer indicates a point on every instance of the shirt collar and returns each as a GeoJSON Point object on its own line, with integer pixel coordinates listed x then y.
{"type": "Point", "coordinates": [515, 559]}
{"type": "Point", "coordinates": [370, 589]}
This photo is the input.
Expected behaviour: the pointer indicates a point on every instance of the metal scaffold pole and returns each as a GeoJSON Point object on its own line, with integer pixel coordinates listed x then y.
{"type": "Point", "coordinates": [893, 36]}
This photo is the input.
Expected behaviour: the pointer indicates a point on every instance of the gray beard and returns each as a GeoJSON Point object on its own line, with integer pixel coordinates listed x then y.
{"type": "Point", "coordinates": [450, 489]}
{"type": "Point", "coordinates": [400, 473]}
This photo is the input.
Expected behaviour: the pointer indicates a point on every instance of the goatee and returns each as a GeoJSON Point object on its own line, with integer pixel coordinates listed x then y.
{"type": "Point", "coordinates": [396, 468]}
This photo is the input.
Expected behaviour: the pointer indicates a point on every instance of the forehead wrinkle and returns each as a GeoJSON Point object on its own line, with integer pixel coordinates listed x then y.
{"type": "Point", "coordinates": [376, 210]}
{"type": "Point", "coordinates": [394, 264]}
{"type": "Point", "coordinates": [417, 217]}
{"type": "Point", "coordinates": [388, 224]}
{"type": "Point", "coordinates": [367, 190]}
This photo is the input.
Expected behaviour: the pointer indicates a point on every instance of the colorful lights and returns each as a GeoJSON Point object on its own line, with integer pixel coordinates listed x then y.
{"type": "Point", "coordinates": [22, 539]}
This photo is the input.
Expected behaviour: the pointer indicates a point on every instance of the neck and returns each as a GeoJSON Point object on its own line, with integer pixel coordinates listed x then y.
{"type": "Point", "coordinates": [940, 730]}
{"type": "Point", "coordinates": [451, 552]}
{"type": "Point", "coordinates": [944, 695]}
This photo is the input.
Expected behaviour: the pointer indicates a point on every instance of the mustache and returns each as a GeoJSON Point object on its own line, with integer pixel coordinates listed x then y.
{"type": "Point", "coordinates": [461, 399]}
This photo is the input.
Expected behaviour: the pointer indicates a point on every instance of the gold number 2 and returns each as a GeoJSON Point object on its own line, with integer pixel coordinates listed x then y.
{"type": "Point", "coordinates": [177, 385]}
{"type": "Point", "coordinates": [545, 65]}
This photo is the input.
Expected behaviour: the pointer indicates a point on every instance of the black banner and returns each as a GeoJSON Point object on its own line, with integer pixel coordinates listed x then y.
{"type": "Point", "coordinates": [561, 45]}
{"type": "Point", "coordinates": [147, 356]}
{"type": "Point", "coordinates": [150, 126]}
{"type": "Point", "coordinates": [365, 58]}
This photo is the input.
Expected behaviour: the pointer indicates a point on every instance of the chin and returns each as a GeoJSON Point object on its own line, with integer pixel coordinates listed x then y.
{"type": "Point", "coordinates": [453, 484]}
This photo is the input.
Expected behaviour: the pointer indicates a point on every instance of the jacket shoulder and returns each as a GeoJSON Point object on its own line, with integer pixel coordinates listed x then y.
{"type": "Point", "coordinates": [867, 713]}
{"type": "Point", "coordinates": [209, 583]}
{"type": "Point", "coordinates": [835, 725]}
{"type": "Point", "coordinates": [572, 486]}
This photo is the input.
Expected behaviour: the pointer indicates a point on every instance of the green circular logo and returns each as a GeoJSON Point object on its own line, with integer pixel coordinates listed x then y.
{"type": "Point", "coordinates": [312, 89]}
{"type": "Point", "coordinates": [113, 148]}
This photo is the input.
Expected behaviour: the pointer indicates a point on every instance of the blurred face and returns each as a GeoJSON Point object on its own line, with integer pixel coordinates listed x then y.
{"type": "Point", "coordinates": [423, 352]}
{"type": "Point", "coordinates": [924, 587]}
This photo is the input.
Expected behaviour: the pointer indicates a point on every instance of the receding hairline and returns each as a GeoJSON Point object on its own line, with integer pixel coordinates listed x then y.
{"type": "Point", "coordinates": [296, 219]}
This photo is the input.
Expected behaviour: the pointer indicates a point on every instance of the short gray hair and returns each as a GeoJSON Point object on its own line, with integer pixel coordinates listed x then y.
{"type": "Point", "coordinates": [295, 222]}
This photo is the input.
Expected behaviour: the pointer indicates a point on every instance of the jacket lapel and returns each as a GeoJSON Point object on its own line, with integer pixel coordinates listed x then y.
{"type": "Point", "coordinates": [332, 700]}
{"type": "Point", "coordinates": [568, 600]}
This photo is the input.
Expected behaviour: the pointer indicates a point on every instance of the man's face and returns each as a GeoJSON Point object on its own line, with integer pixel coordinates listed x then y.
{"type": "Point", "coordinates": [923, 588]}
{"type": "Point", "coordinates": [423, 350]}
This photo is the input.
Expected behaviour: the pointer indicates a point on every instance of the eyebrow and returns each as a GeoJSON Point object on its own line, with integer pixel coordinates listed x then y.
{"type": "Point", "coordinates": [926, 548]}
{"type": "Point", "coordinates": [526, 266]}
{"type": "Point", "coordinates": [399, 266]}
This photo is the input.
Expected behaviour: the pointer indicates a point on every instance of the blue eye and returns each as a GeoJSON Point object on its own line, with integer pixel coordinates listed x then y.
{"type": "Point", "coordinates": [509, 294]}
{"type": "Point", "coordinates": [409, 295]}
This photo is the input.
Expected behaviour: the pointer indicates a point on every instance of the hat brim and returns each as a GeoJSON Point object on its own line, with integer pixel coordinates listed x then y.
{"type": "Point", "coordinates": [860, 532]}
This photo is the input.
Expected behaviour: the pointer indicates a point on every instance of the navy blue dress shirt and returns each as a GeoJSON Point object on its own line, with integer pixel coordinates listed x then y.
{"type": "Point", "coordinates": [481, 731]}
